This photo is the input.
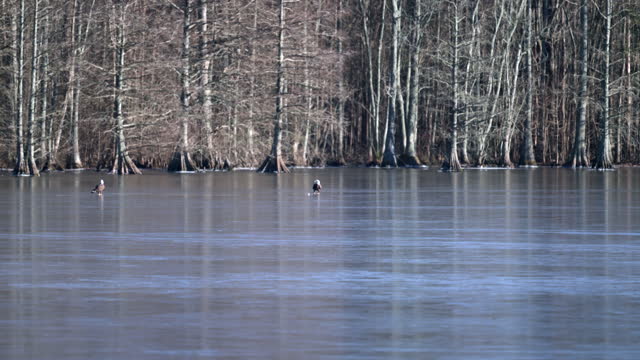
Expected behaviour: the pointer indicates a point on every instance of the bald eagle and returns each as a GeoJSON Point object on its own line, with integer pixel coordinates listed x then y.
{"type": "Point", "coordinates": [99, 188]}
{"type": "Point", "coordinates": [316, 187]}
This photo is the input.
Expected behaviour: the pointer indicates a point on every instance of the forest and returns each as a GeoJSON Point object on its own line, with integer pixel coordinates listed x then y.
{"type": "Point", "coordinates": [187, 85]}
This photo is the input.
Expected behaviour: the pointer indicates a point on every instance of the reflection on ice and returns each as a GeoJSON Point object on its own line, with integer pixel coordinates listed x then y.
{"type": "Point", "coordinates": [409, 264]}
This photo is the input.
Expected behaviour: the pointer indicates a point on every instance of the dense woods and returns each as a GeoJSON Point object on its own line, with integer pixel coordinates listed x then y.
{"type": "Point", "coordinates": [202, 84]}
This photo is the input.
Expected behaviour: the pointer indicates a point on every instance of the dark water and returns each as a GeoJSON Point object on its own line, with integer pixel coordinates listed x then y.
{"type": "Point", "coordinates": [404, 264]}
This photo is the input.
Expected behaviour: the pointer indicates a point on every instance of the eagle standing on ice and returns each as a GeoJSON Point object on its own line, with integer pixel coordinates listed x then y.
{"type": "Point", "coordinates": [316, 187]}
{"type": "Point", "coordinates": [99, 188]}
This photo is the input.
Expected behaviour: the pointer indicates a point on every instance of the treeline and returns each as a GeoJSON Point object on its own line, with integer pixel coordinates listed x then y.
{"type": "Point", "coordinates": [201, 84]}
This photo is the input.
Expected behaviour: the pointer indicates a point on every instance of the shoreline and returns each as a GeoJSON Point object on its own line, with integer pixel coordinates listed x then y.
{"type": "Point", "coordinates": [354, 166]}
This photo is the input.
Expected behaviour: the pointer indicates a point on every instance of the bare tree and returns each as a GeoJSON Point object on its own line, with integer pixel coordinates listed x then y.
{"type": "Point", "coordinates": [604, 158]}
{"type": "Point", "coordinates": [468, 84]}
{"type": "Point", "coordinates": [340, 98]}
{"type": "Point", "coordinates": [205, 86]}
{"type": "Point", "coordinates": [629, 86]}
{"type": "Point", "coordinates": [526, 154]}
{"type": "Point", "coordinates": [21, 166]}
{"type": "Point", "coordinates": [181, 158]}
{"type": "Point", "coordinates": [494, 86]}
{"type": "Point", "coordinates": [252, 88]}
{"type": "Point", "coordinates": [33, 88]}
{"type": "Point", "coordinates": [389, 156]}
{"type": "Point", "coordinates": [410, 156]}
{"type": "Point", "coordinates": [511, 116]}
{"type": "Point", "coordinates": [307, 83]}
{"type": "Point", "coordinates": [274, 161]}
{"type": "Point", "coordinates": [122, 163]}
{"type": "Point", "coordinates": [44, 73]}
{"type": "Point", "coordinates": [74, 161]}
{"type": "Point", "coordinates": [452, 163]}
{"type": "Point", "coordinates": [373, 81]}
{"type": "Point", "coordinates": [579, 157]}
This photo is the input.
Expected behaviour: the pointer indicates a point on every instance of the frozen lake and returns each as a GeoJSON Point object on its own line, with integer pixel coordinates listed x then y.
{"type": "Point", "coordinates": [401, 264]}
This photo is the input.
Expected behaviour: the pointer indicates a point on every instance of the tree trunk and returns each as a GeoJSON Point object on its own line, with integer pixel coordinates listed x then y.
{"type": "Point", "coordinates": [307, 85]}
{"type": "Point", "coordinates": [374, 94]}
{"type": "Point", "coordinates": [181, 158]}
{"type": "Point", "coordinates": [379, 146]}
{"type": "Point", "coordinates": [31, 161]}
{"type": "Point", "coordinates": [389, 156]}
{"type": "Point", "coordinates": [452, 163]}
{"type": "Point", "coordinates": [340, 104]}
{"type": "Point", "coordinates": [484, 132]}
{"type": "Point", "coordinates": [274, 161]}
{"type": "Point", "coordinates": [464, 154]}
{"type": "Point", "coordinates": [579, 157]}
{"type": "Point", "coordinates": [77, 50]}
{"type": "Point", "coordinates": [400, 106]}
{"type": "Point", "coordinates": [74, 161]}
{"type": "Point", "coordinates": [410, 157]}
{"type": "Point", "coordinates": [54, 141]}
{"type": "Point", "coordinates": [235, 123]}
{"type": "Point", "coordinates": [250, 124]}
{"type": "Point", "coordinates": [122, 163]}
{"type": "Point", "coordinates": [44, 73]}
{"type": "Point", "coordinates": [205, 86]}
{"type": "Point", "coordinates": [604, 158]}
{"type": "Point", "coordinates": [21, 166]}
{"type": "Point", "coordinates": [511, 115]}
{"type": "Point", "coordinates": [629, 91]}
{"type": "Point", "coordinates": [527, 157]}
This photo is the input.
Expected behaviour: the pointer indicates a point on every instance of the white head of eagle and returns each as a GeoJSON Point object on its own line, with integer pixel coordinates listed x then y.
{"type": "Point", "coordinates": [316, 186]}
{"type": "Point", "coordinates": [99, 188]}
